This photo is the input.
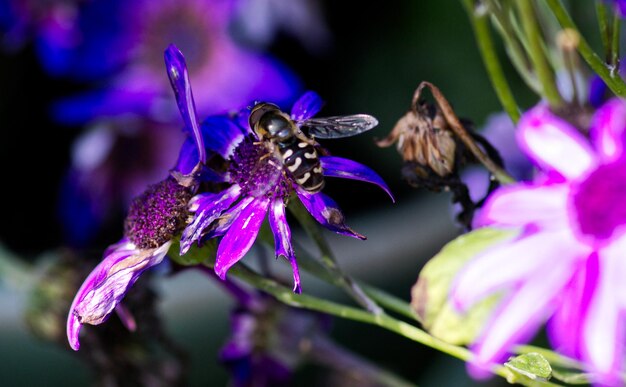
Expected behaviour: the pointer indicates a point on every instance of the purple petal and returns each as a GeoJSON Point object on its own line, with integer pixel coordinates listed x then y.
{"type": "Point", "coordinates": [179, 78]}
{"type": "Point", "coordinates": [223, 223]}
{"type": "Point", "coordinates": [565, 326]}
{"type": "Point", "coordinates": [522, 204]}
{"type": "Point", "coordinates": [306, 106]}
{"type": "Point", "coordinates": [107, 285]}
{"type": "Point", "coordinates": [608, 129]}
{"type": "Point", "coordinates": [553, 144]}
{"type": "Point", "coordinates": [282, 239]}
{"type": "Point", "coordinates": [511, 263]}
{"type": "Point", "coordinates": [348, 169]}
{"type": "Point", "coordinates": [222, 134]}
{"type": "Point", "coordinates": [603, 333]}
{"type": "Point", "coordinates": [207, 207]}
{"type": "Point", "coordinates": [240, 236]}
{"type": "Point", "coordinates": [327, 213]}
{"type": "Point", "coordinates": [521, 314]}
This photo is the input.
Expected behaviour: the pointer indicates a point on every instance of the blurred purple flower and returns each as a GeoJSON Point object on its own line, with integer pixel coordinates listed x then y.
{"type": "Point", "coordinates": [112, 162]}
{"type": "Point", "coordinates": [568, 263]}
{"type": "Point", "coordinates": [598, 90]}
{"type": "Point", "coordinates": [265, 344]}
{"type": "Point", "coordinates": [260, 186]}
{"type": "Point", "coordinates": [128, 44]}
{"type": "Point", "coordinates": [257, 22]}
{"type": "Point", "coordinates": [53, 25]}
{"type": "Point", "coordinates": [499, 132]}
{"type": "Point", "coordinates": [620, 6]}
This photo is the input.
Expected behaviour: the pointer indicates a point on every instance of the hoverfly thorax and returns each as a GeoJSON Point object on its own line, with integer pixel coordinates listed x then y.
{"type": "Point", "coordinates": [270, 123]}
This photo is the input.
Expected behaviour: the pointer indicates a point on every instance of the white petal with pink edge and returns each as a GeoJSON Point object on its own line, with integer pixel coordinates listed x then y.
{"type": "Point", "coordinates": [521, 204]}
{"type": "Point", "coordinates": [553, 144]}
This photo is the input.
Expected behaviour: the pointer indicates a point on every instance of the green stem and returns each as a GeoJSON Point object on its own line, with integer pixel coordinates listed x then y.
{"type": "Point", "coordinates": [328, 261]}
{"type": "Point", "coordinates": [286, 296]}
{"type": "Point", "coordinates": [480, 25]}
{"type": "Point", "coordinates": [537, 53]}
{"type": "Point", "coordinates": [614, 56]}
{"type": "Point", "coordinates": [608, 73]}
{"type": "Point", "coordinates": [603, 23]}
{"type": "Point", "coordinates": [501, 18]}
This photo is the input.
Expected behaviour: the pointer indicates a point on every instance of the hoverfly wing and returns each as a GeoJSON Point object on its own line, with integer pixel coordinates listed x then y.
{"type": "Point", "coordinates": [339, 126]}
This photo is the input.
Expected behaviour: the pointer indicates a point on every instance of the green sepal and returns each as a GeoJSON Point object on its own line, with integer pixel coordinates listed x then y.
{"type": "Point", "coordinates": [204, 255]}
{"type": "Point", "coordinates": [429, 296]}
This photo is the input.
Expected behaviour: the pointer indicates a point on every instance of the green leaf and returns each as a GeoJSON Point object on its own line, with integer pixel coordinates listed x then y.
{"type": "Point", "coordinates": [196, 255]}
{"type": "Point", "coordinates": [429, 296]}
{"type": "Point", "coordinates": [531, 365]}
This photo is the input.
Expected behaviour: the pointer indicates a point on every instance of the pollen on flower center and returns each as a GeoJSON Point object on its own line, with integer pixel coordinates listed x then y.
{"type": "Point", "coordinates": [256, 169]}
{"type": "Point", "coordinates": [158, 214]}
{"type": "Point", "coordinates": [600, 201]}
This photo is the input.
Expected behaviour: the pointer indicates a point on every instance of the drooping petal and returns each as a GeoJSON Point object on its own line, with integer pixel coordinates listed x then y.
{"type": "Point", "coordinates": [603, 333]}
{"type": "Point", "coordinates": [348, 169]}
{"type": "Point", "coordinates": [107, 285]}
{"type": "Point", "coordinates": [565, 326]}
{"type": "Point", "coordinates": [240, 236]}
{"type": "Point", "coordinates": [179, 79]}
{"type": "Point", "coordinates": [207, 207]}
{"type": "Point", "coordinates": [282, 239]}
{"type": "Point", "coordinates": [522, 204]}
{"type": "Point", "coordinates": [222, 134]}
{"type": "Point", "coordinates": [326, 212]}
{"type": "Point", "coordinates": [521, 314]}
{"type": "Point", "coordinates": [553, 144]}
{"type": "Point", "coordinates": [511, 263]}
{"type": "Point", "coordinates": [306, 106]}
{"type": "Point", "coordinates": [608, 129]}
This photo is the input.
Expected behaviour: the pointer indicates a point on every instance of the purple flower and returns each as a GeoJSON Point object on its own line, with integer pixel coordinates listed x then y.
{"type": "Point", "coordinates": [261, 185]}
{"type": "Point", "coordinates": [567, 265]}
{"type": "Point", "coordinates": [154, 219]}
{"type": "Point", "coordinates": [128, 43]}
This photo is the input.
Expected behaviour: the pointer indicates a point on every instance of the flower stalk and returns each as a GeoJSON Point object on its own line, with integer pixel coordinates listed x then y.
{"type": "Point", "coordinates": [537, 53]}
{"type": "Point", "coordinates": [607, 72]}
{"type": "Point", "coordinates": [409, 331]}
{"type": "Point", "coordinates": [480, 25]}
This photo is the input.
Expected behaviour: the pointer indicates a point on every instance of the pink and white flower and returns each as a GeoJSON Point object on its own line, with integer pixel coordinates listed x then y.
{"type": "Point", "coordinates": [568, 265]}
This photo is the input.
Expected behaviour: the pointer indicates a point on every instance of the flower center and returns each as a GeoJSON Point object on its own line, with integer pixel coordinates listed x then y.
{"type": "Point", "coordinates": [600, 201]}
{"type": "Point", "coordinates": [256, 169]}
{"type": "Point", "coordinates": [158, 214]}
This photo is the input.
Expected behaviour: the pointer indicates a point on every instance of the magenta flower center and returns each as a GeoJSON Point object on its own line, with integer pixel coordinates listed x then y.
{"type": "Point", "coordinates": [158, 214]}
{"type": "Point", "coordinates": [600, 201]}
{"type": "Point", "coordinates": [257, 169]}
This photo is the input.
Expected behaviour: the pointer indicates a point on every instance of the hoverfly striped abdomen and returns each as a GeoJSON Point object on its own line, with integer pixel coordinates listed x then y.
{"type": "Point", "coordinates": [301, 160]}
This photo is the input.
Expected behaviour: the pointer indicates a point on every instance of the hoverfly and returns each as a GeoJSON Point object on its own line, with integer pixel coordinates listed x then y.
{"type": "Point", "coordinates": [293, 142]}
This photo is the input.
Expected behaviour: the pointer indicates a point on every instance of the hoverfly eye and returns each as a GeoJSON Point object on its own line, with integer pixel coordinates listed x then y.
{"type": "Point", "coordinates": [276, 125]}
